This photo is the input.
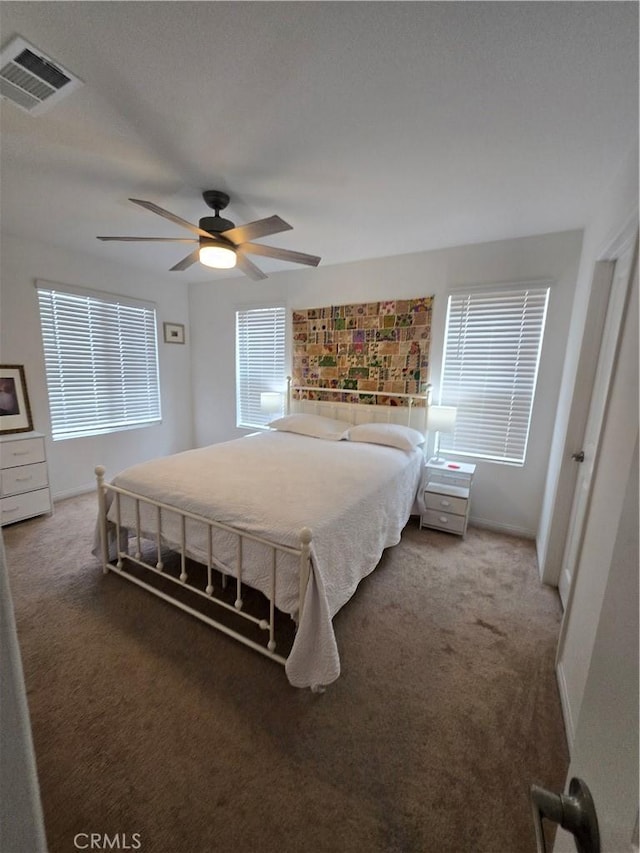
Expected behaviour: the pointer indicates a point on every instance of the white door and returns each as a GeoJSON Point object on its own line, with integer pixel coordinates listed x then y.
{"type": "Point", "coordinates": [605, 749]}
{"type": "Point", "coordinates": [617, 302]}
{"type": "Point", "coordinates": [597, 663]}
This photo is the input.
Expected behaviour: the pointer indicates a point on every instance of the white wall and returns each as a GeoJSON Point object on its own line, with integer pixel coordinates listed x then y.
{"type": "Point", "coordinates": [71, 462]}
{"type": "Point", "coordinates": [505, 497]}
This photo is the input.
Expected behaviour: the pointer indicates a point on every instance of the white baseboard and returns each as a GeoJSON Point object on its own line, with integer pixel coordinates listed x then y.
{"type": "Point", "coordinates": [502, 528]}
{"type": "Point", "coordinates": [567, 716]}
{"type": "Point", "coordinates": [74, 493]}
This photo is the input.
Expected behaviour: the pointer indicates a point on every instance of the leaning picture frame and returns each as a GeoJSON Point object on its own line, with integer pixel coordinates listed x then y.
{"type": "Point", "coordinates": [15, 411]}
{"type": "Point", "coordinates": [173, 333]}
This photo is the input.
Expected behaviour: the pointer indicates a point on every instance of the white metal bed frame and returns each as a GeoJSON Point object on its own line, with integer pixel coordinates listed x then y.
{"type": "Point", "coordinates": [410, 415]}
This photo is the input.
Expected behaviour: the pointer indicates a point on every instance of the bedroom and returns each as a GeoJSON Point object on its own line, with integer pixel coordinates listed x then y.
{"type": "Point", "coordinates": [116, 137]}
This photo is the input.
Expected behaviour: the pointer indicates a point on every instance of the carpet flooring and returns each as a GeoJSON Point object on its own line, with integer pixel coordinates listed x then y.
{"type": "Point", "coordinates": [151, 726]}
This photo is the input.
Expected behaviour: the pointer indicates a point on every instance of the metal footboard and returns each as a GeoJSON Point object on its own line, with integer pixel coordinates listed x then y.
{"type": "Point", "coordinates": [303, 553]}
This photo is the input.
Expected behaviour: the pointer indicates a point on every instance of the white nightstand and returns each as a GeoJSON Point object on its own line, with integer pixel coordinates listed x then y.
{"type": "Point", "coordinates": [24, 477]}
{"type": "Point", "coordinates": [446, 496]}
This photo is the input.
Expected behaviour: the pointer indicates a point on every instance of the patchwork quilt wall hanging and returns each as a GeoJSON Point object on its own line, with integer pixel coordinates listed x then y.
{"type": "Point", "coordinates": [368, 346]}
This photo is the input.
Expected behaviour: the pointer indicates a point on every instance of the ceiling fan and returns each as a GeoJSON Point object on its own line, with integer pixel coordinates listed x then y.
{"type": "Point", "coordinates": [221, 244]}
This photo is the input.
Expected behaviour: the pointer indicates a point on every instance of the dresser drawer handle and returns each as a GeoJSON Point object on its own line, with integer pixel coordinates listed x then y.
{"type": "Point", "coordinates": [24, 479]}
{"type": "Point", "coordinates": [8, 511]}
{"type": "Point", "coordinates": [444, 519]}
{"type": "Point", "coordinates": [20, 452]}
{"type": "Point", "coordinates": [445, 503]}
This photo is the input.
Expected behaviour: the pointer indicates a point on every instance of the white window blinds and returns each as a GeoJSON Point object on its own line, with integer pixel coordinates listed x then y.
{"type": "Point", "coordinates": [101, 360]}
{"type": "Point", "coordinates": [260, 362]}
{"type": "Point", "coordinates": [491, 356]}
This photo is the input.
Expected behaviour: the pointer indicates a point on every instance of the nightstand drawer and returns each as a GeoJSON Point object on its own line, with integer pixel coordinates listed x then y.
{"type": "Point", "coordinates": [444, 521]}
{"type": "Point", "coordinates": [22, 452]}
{"type": "Point", "coordinates": [445, 503]}
{"type": "Point", "coordinates": [24, 478]}
{"type": "Point", "coordinates": [24, 506]}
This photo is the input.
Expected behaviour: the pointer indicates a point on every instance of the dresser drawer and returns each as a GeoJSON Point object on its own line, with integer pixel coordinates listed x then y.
{"type": "Point", "coordinates": [24, 478]}
{"type": "Point", "coordinates": [445, 503]}
{"type": "Point", "coordinates": [443, 521]}
{"type": "Point", "coordinates": [24, 506]}
{"type": "Point", "coordinates": [22, 452]}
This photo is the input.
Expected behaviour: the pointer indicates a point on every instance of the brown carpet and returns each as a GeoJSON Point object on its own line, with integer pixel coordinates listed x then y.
{"type": "Point", "coordinates": [147, 721]}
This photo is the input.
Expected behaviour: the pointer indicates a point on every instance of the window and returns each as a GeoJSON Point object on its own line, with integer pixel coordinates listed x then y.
{"type": "Point", "coordinates": [260, 362]}
{"type": "Point", "coordinates": [491, 355]}
{"type": "Point", "coordinates": [101, 360]}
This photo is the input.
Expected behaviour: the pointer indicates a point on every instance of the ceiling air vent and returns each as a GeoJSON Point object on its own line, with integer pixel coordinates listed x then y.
{"type": "Point", "coordinates": [32, 80]}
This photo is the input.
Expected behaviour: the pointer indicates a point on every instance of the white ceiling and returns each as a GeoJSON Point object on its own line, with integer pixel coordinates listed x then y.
{"type": "Point", "coordinates": [373, 128]}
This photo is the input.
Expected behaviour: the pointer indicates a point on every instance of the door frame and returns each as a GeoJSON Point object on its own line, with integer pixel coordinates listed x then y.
{"type": "Point", "coordinates": [618, 264]}
{"type": "Point", "coordinates": [552, 536]}
{"type": "Point", "coordinates": [593, 330]}
{"type": "Point", "coordinates": [604, 752]}
{"type": "Point", "coordinates": [624, 250]}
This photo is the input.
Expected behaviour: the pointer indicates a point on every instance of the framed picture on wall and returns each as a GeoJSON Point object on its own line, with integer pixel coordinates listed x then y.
{"type": "Point", "coordinates": [15, 411]}
{"type": "Point", "coordinates": [173, 333]}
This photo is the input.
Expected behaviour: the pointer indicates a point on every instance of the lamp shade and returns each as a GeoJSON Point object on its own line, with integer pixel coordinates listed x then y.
{"type": "Point", "coordinates": [218, 257]}
{"type": "Point", "coordinates": [270, 401]}
{"type": "Point", "coordinates": [441, 418]}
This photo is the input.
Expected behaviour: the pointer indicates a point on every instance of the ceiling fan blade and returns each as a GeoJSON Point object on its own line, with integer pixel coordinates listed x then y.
{"type": "Point", "coordinates": [248, 267]}
{"type": "Point", "coordinates": [259, 228]}
{"type": "Point", "coordinates": [153, 239]}
{"type": "Point", "coordinates": [186, 262]}
{"type": "Point", "coordinates": [280, 254]}
{"type": "Point", "coordinates": [149, 205]}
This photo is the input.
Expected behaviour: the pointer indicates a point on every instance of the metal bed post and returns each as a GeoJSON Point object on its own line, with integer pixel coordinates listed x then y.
{"type": "Point", "coordinates": [119, 553]}
{"type": "Point", "coordinates": [209, 588]}
{"type": "Point", "coordinates": [238, 601]}
{"type": "Point", "coordinates": [138, 537]}
{"type": "Point", "coordinates": [271, 645]}
{"type": "Point", "coordinates": [183, 549]}
{"type": "Point", "coordinates": [305, 563]}
{"type": "Point", "coordinates": [102, 517]}
{"type": "Point", "coordinates": [159, 563]}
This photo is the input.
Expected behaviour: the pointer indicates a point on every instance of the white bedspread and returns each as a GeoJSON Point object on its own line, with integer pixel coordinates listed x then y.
{"type": "Point", "coordinates": [355, 497]}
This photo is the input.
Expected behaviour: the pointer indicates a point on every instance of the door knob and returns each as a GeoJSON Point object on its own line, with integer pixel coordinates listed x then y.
{"type": "Point", "coordinates": [574, 812]}
{"type": "Point", "coordinates": [579, 456]}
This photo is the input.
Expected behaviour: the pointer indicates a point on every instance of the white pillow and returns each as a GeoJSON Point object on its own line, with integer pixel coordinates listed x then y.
{"type": "Point", "coordinates": [316, 426]}
{"type": "Point", "coordinates": [393, 435]}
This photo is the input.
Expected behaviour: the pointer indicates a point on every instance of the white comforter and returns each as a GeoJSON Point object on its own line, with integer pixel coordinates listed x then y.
{"type": "Point", "coordinates": [355, 497]}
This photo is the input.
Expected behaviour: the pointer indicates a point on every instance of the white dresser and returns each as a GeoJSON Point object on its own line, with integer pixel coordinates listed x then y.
{"type": "Point", "coordinates": [446, 496]}
{"type": "Point", "coordinates": [24, 477]}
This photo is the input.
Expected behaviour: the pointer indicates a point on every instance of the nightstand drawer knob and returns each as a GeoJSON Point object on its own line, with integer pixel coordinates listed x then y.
{"type": "Point", "coordinates": [445, 503]}
{"type": "Point", "coordinates": [444, 519]}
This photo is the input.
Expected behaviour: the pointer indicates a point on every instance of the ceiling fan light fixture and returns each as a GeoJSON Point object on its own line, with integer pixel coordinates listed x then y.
{"type": "Point", "coordinates": [222, 245]}
{"type": "Point", "coordinates": [218, 257]}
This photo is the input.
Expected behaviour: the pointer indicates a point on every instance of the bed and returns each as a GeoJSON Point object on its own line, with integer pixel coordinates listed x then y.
{"type": "Point", "coordinates": [301, 512]}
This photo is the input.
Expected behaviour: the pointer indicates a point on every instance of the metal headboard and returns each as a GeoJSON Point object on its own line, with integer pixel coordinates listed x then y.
{"type": "Point", "coordinates": [413, 414]}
